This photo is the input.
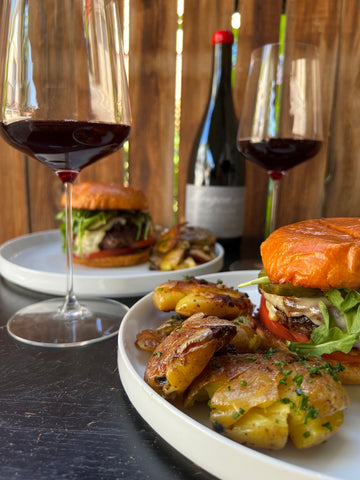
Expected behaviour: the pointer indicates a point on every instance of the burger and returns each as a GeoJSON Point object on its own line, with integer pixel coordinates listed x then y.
{"type": "Point", "coordinates": [111, 225]}
{"type": "Point", "coordinates": [310, 291]}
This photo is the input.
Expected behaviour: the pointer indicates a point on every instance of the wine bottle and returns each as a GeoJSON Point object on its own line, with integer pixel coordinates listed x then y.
{"type": "Point", "coordinates": [215, 189]}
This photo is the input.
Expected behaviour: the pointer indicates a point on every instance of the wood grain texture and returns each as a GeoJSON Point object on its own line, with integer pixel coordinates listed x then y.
{"type": "Point", "coordinates": [302, 194]}
{"type": "Point", "coordinates": [13, 193]}
{"type": "Point", "coordinates": [110, 168]}
{"type": "Point", "coordinates": [342, 194]}
{"type": "Point", "coordinates": [152, 96]}
{"type": "Point", "coordinates": [45, 189]}
{"type": "Point", "coordinates": [326, 185]}
{"type": "Point", "coordinates": [262, 17]}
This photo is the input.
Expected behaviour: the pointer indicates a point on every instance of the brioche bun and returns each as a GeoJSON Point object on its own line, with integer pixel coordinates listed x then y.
{"type": "Point", "coordinates": [114, 261]}
{"type": "Point", "coordinates": [351, 373]}
{"type": "Point", "coordinates": [322, 253]}
{"type": "Point", "coordinates": [106, 196]}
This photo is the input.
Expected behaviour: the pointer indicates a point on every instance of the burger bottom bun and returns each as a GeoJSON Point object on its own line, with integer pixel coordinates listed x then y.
{"type": "Point", "coordinates": [115, 261]}
{"type": "Point", "coordinates": [349, 376]}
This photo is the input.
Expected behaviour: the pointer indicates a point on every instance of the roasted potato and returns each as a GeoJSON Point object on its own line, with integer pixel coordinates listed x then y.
{"type": "Point", "coordinates": [245, 340]}
{"type": "Point", "coordinates": [191, 296]}
{"type": "Point", "coordinates": [175, 258]}
{"type": "Point", "coordinates": [261, 400]}
{"type": "Point", "coordinates": [148, 339]}
{"type": "Point", "coordinates": [181, 247]}
{"type": "Point", "coordinates": [183, 354]}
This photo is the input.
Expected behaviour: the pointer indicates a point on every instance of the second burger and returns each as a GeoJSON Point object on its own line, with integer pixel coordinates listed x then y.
{"type": "Point", "coordinates": [111, 225]}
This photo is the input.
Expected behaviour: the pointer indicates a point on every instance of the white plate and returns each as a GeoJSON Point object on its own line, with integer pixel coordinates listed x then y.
{"type": "Point", "coordinates": [36, 261]}
{"type": "Point", "coordinates": [190, 431]}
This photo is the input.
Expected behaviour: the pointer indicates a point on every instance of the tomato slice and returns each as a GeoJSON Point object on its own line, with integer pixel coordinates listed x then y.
{"type": "Point", "coordinates": [277, 328]}
{"type": "Point", "coordinates": [285, 333]}
{"type": "Point", "coordinates": [114, 252]}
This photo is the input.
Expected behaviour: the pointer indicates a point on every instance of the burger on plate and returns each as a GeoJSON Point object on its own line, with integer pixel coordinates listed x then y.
{"type": "Point", "coordinates": [111, 225]}
{"type": "Point", "coordinates": [310, 290]}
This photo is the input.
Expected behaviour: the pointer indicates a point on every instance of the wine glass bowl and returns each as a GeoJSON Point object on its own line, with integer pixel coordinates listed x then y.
{"type": "Point", "coordinates": [65, 102]}
{"type": "Point", "coordinates": [281, 119]}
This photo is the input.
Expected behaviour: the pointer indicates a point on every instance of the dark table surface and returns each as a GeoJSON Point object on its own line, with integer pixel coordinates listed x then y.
{"type": "Point", "coordinates": [65, 414]}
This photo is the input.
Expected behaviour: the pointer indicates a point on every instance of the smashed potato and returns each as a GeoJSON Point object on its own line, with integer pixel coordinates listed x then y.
{"type": "Point", "coordinates": [245, 339]}
{"type": "Point", "coordinates": [261, 400]}
{"type": "Point", "coordinates": [210, 351]}
{"type": "Point", "coordinates": [185, 352]}
{"type": "Point", "coordinates": [149, 339]}
{"type": "Point", "coordinates": [191, 296]}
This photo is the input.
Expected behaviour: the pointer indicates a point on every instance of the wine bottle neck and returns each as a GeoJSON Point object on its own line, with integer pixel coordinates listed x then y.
{"type": "Point", "coordinates": [221, 77]}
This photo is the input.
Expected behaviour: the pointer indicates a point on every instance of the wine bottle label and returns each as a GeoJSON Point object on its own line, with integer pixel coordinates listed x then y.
{"type": "Point", "coordinates": [220, 209]}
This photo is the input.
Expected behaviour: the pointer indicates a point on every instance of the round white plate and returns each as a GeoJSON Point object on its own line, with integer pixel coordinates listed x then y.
{"type": "Point", "coordinates": [36, 261]}
{"type": "Point", "coordinates": [190, 432]}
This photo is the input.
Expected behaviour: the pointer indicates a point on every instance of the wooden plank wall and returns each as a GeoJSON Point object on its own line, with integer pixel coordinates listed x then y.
{"type": "Point", "coordinates": [327, 185]}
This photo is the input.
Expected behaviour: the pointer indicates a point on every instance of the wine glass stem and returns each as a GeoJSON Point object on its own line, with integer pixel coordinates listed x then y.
{"type": "Point", "coordinates": [273, 198]}
{"type": "Point", "coordinates": [70, 304]}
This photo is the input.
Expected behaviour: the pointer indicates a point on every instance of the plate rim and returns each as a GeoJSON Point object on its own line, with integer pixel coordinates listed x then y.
{"type": "Point", "coordinates": [89, 281]}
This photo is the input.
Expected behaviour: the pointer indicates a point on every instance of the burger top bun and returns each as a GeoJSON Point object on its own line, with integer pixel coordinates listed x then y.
{"type": "Point", "coordinates": [107, 196]}
{"type": "Point", "coordinates": [322, 253]}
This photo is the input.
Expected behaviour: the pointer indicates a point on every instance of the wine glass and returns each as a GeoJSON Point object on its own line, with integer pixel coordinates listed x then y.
{"type": "Point", "coordinates": [281, 120]}
{"type": "Point", "coordinates": [64, 101]}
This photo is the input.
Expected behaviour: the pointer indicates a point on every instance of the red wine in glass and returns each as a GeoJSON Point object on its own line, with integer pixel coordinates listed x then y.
{"type": "Point", "coordinates": [65, 146]}
{"type": "Point", "coordinates": [277, 155]}
{"type": "Point", "coordinates": [281, 120]}
{"type": "Point", "coordinates": [65, 102]}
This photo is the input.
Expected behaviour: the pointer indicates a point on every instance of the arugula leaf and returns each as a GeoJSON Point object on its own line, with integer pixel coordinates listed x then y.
{"type": "Point", "coordinates": [335, 297]}
{"type": "Point", "coordinates": [351, 300]}
{"type": "Point", "coordinates": [143, 221]}
{"type": "Point", "coordinates": [348, 303]}
{"type": "Point", "coordinates": [324, 341]}
{"type": "Point", "coordinates": [325, 314]}
{"type": "Point", "coordinates": [328, 338]}
{"type": "Point", "coordinates": [83, 220]}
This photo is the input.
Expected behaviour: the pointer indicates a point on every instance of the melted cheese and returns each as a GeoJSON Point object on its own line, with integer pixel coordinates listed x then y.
{"type": "Point", "coordinates": [91, 239]}
{"type": "Point", "coordinates": [297, 307]}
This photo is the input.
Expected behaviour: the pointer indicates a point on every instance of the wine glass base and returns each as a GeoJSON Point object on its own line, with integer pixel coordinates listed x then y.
{"type": "Point", "coordinates": [43, 325]}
